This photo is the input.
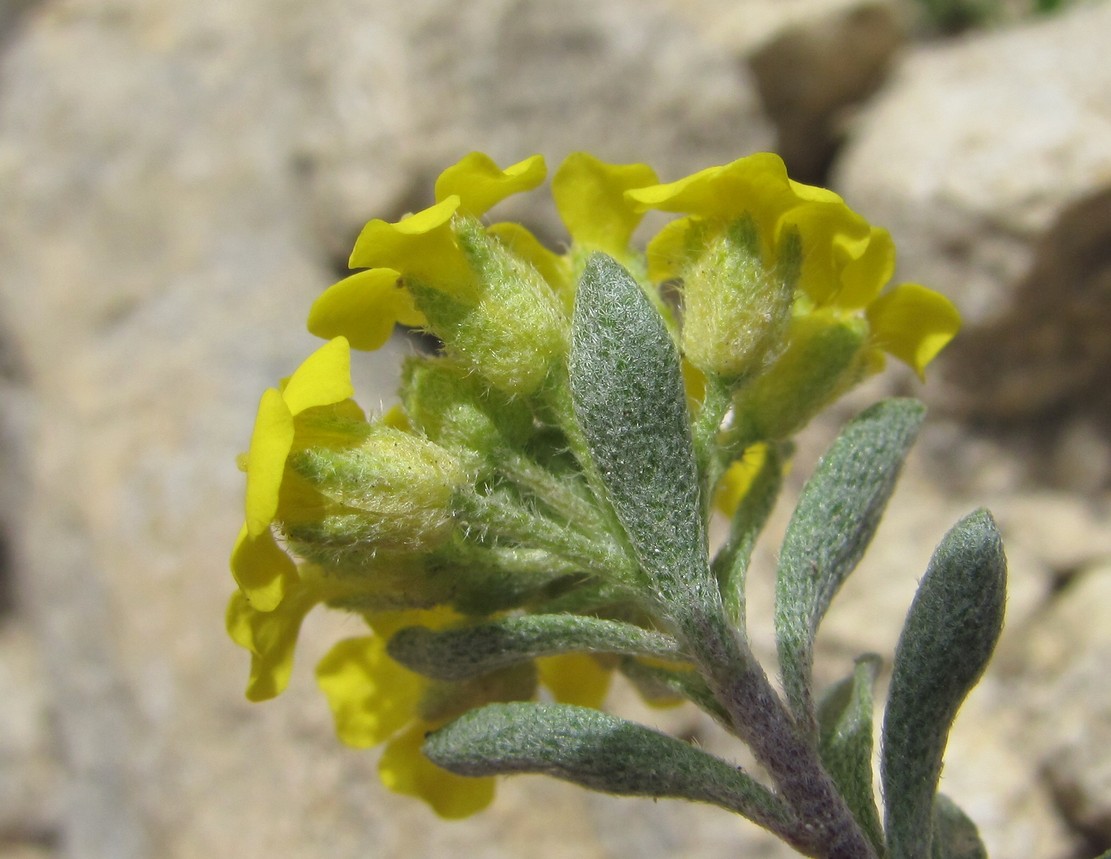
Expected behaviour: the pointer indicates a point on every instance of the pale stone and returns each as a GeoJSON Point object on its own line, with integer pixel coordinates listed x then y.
{"type": "Point", "coordinates": [988, 160]}
{"type": "Point", "coordinates": [179, 181]}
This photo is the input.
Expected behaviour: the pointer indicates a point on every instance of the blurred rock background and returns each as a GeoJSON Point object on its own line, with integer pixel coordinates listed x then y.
{"type": "Point", "coordinates": [179, 180]}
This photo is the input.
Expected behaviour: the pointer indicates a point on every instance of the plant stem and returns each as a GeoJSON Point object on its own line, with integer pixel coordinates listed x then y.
{"type": "Point", "coordinates": [826, 828]}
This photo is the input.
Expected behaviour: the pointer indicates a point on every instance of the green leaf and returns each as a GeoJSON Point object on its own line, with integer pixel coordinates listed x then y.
{"type": "Point", "coordinates": [601, 752]}
{"type": "Point", "coordinates": [950, 632]}
{"type": "Point", "coordinates": [628, 398]}
{"type": "Point", "coordinates": [954, 835]}
{"type": "Point", "coordinates": [832, 525]}
{"type": "Point", "coordinates": [475, 650]}
{"type": "Point", "coordinates": [845, 743]}
{"type": "Point", "coordinates": [731, 564]}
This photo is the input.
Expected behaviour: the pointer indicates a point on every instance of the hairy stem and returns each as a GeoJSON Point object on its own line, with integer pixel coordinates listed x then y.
{"type": "Point", "coordinates": [826, 826]}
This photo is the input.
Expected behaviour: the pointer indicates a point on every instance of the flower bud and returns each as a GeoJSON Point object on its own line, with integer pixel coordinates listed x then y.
{"type": "Point", "coordinates": [453, 408]}
{"type": "Point", "coordinates": [736, 307]}
{"type": "Point", "coordinates": [513, 330]}
{"type": "Point", "coordinates": [826, 355]}
{"type": "Point", "coordinates": [392, 491]}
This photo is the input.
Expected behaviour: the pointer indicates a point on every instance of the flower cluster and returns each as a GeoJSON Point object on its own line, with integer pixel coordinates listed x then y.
{"type": "Point", "coordinates": [475, 501]}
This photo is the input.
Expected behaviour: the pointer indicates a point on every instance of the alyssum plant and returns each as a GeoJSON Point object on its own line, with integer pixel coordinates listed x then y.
{"type": "Point", "coordinates": [533, 516]}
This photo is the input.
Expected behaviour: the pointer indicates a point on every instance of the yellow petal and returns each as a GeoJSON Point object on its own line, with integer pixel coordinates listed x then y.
{"type": "Point", "coordinates": [832, 235]}
{"type": "Point", "coordinates": [737, 480]}
{"type": "Point", "coordinates": [372, 697]}
{"type": "Point", "coordinates": [322, 379]}
{"type": "Point", "coordinates": [364, 308]}
{"type": "Point", "coordinates": [421, 246]}
{"type": "Point", "coordinates": [271, 441]}
{"type": "Point", "coordinates": [864, 276]}
{"type": "Point", "coordinates": [575, 678]}
{"type": "Point", "coordinates": [404, 769]}
{"type": "Point", "coordinates": [271, 637]}
{"type": "Point", "coordinates": [913, 323]}
{"type": "Point", "coordinates": [667, 251]}
{"type": "Point", "coordinates": [480, 184]}
{"type": "Point", "coordinates": [262, 569]}
{"type": "Point", "coordinates": [756, 185]}
{"type": "Point", "coordinates": [590, 197]}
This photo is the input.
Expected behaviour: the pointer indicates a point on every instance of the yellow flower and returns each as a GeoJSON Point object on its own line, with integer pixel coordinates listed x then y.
{"type": "Point", "coordinates": [590, 197]}
{"type": "Point", "coordinates": [575, 678]}
{"type": "Point", "coordinates": [376, 700]}
{"type": "Point", "coordinates": [261, 568]}
{"type": "Point", "coordinates": [270, 636]}
{"type": "Point", "coordinates": [842, 265]}
{"type": "Point", "coordinates": [422, 247]}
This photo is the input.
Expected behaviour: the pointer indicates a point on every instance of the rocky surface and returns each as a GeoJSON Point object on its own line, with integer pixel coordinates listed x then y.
{"type": "Point", "coordinates": [179, 180]}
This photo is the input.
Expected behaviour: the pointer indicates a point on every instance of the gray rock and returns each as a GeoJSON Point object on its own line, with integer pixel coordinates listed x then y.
{"type": "Point", "coordinates": [812, 75]}
{"type": "Point", "coordinates": [988, 160]}
{"type": "Point", "coordinates": [178, 182]}
{"type": "Point", "coordinates": [1067, 654]}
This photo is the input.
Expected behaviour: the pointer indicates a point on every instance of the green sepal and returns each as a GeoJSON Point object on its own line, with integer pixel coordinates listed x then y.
{"type": "Point", "coordinates": [472, 651]}
{"type": "Point", "coordinates": [954, 834]}
{"type": "Point", "coordinates": [628, 398]}
{"type": "Point", "coordinates": [845, 744]}
{"type": "Point", "coordinates": [834, 522]}
{"type": "Point", "coordinates": [601, 752]}
{"type": "Point", "coordinates": [950, 632]}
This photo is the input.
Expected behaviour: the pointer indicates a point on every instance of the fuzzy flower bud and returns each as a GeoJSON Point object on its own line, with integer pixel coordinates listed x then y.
{"type": "Point", "coordinates": [513, 330]}
{"type": "Point", "coordinates": [736, 306]}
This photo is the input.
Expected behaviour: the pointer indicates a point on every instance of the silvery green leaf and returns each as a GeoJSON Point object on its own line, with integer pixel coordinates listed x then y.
{"type": "Point", "coordinates": [628, 399]}
{"type": "Point", "coordinates": [598, 751]}
{"type": "Point", "coordinates": [456, 654]}
{"type": "Point", "coordinates": [845, 742]}
{"type": "Point", "coordinates": [834, 522]}
{"type": "Point", "coordinates": [954, 835]}
{"type": "Point", "coordinates": [950, 632]}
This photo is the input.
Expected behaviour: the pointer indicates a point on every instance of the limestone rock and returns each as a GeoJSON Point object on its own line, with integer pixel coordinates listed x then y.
{"type": "Point", "coordinates": [812, 75]}
{"type": "Point", "coordinates": [178, 183]}
{"type": "Point", "coordinates": [1068, 653]}
{"type": "Point", "coordinates": [987, 158]}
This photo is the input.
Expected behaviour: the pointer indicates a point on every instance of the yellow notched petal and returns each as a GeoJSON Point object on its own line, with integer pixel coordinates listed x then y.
{"type": "Point", "coordinates": [364, 308]}
{"type": "Point", "coordinates": [913, 323]}
{"type": "Point", "coordinates": [371, 696]}
{"type": "Point", "coordinates": [590, 197]}
{"type": "Point", "coordinates": [324, 378]}
{"type": "Point", "coordinates": [574, 678]}
{"type": "Point", "coordinates": [756, 185]}
{"type": "Point", "coordinates": [262, 569]}
{"type": "Point", "coordinates": [404, 769]}
{"type": "Point", "coordinates": [480, 184]}
{"type": "Point", "coordinates": [421, 246]}
{"type": "Point", "coordinates": [271, 638]}
{"type": "Point", "coordinates": [271, 442]}
{"type": "Point", "coordinates": [864, 276]}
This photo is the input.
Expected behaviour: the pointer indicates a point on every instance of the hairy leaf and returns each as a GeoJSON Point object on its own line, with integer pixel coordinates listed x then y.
{"type": "Point", "coordinates": [954, 836]}
{"type": "Point", "coordinates": [845, 741]}
{"type": "Point", "coordinates": [599, 751]}
{"type": "Point", "coordinates": [456, 654]}
{"type": "Point", "coordinates": [950, 632]}
{"type": "Point", "coordinates": [832, 525]}
{"type": "Point", "coordinates": [628, 399]}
